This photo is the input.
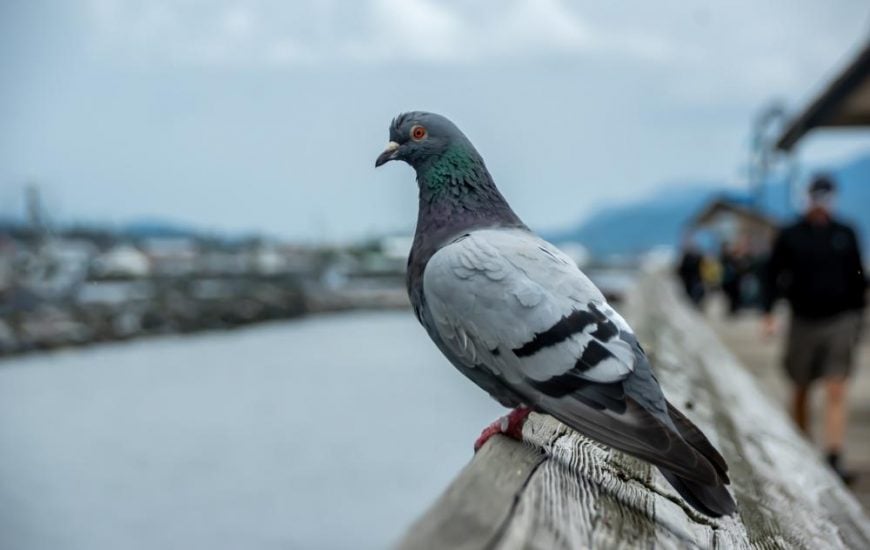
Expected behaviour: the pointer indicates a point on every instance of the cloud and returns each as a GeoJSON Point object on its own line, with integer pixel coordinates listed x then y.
{"type": "Point", "coordinates": [542, 26]}
{"type": "Point", "coordinates": [190, 33]}
{"type": "Point", "coordinates": [400, 29]}
{"type": "Point", "coordinates": [423, 30]}
{"type": "Point", "coordinates": [373, 31]}
{"type": "Point", "coordinates": [705, 55]}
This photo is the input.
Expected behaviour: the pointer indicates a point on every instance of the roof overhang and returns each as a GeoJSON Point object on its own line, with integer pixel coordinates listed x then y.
{"type": "Point", "coordinates": [844, 103]}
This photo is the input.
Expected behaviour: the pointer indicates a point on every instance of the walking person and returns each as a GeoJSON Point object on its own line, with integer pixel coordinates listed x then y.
{"type": "Point", "coordinates": [689, 272]}
{"type": "Point", "coordinates": [736, 265]}
{"type": "Point", "coordinates": [816, 265]}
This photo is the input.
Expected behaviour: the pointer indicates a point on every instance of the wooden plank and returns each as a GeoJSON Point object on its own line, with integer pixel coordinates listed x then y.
{"type": "Point", "coordinates": [473, 510]}
{"type": "Point", "coordinates": [585, 495]}
{"type": "Point", "coordinates": [786, 496]}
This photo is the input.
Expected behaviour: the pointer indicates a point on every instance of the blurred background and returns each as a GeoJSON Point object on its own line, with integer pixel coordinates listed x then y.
{"type": "Point", "coordinates": [172, 170]}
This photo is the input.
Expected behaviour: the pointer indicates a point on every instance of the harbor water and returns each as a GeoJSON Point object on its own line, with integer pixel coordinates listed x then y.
{"type": "Point", "coordinates": [333, 431]}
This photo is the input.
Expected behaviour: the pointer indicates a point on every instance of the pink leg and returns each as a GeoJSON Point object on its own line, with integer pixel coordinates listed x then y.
{"type": "Point", "coordinates": [510, 425]}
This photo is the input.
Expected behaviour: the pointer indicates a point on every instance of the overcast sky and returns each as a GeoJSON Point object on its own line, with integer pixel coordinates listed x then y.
{"type": "Point", "coordinates": [268, 116]}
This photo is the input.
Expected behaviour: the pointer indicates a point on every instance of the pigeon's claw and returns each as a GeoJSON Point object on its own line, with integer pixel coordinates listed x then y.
{"type": "Point", "coordinates": [510, 425]}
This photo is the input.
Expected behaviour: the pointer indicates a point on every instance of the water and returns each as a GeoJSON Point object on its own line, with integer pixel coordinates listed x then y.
{"type": "Point", "coordinates": [329, 432]}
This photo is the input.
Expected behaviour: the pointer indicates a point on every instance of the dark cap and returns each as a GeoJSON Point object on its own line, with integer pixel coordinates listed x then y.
{"type": "Point", "coordinates": [821, 185]}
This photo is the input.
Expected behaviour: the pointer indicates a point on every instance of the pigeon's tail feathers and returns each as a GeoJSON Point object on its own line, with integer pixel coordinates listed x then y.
{"type": "Point", "coordinates": [696, 438]}
{"type": "Point", "coordinates": [635, 430]}
{"type": "Point", "coordinates": [684, 455]}
{"type": "Point", "coordinates": [711, 500]}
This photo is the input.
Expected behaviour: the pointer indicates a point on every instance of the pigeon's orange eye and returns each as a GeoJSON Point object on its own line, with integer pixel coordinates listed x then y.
{"type": "Point", "coordinates": [418, 133]}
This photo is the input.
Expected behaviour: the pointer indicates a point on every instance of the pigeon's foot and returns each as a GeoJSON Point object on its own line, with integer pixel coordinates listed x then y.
{"type": "Point", "coordinates": [510, 425]}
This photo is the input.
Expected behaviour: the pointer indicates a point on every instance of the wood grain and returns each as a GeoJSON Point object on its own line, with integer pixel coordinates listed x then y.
{"type": "Point", "coordinates": [474, 509]}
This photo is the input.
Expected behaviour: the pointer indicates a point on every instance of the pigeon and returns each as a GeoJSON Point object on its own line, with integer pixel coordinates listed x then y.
{"type": "Point", "coordinates": [518, 317]}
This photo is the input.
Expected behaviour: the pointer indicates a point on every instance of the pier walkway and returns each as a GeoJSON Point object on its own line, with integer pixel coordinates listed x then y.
{"type": "Point", "coordinates": [761, 356]}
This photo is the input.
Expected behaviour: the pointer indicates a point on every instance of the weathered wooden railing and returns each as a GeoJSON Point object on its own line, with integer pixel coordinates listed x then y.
{"type": "Point", "coordinates": [562, 490]}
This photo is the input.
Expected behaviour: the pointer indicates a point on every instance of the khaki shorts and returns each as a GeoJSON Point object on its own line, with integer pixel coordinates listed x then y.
{"type": "Point", "coordinates": [821, 348]}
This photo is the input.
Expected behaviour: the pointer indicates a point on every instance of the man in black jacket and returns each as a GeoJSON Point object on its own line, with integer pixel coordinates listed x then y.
{"type": "Point", "coordinates": [816, 264]}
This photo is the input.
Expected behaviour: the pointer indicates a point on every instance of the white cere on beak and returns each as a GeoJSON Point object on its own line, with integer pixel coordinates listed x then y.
{"type": "Point", "coordinates": [389, 154]}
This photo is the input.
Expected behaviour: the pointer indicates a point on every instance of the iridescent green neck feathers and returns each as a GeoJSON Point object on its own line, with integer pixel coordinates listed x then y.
{"type": "Point", "coordinates": [457, 173]}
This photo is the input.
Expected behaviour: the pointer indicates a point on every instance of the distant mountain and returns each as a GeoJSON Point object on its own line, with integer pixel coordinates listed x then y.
{"type": "Point", "coordinates": [145, 228]}
{"type": "Point", "coordinates": [659, 220]}
{"type": "Point", "coordinates": [641, 225]}
{"type": "Point", "coordinates": [156, 228]}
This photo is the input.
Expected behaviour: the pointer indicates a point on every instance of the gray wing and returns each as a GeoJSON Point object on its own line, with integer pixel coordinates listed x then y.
{"type": "Point", "coordinates": [511, 304]}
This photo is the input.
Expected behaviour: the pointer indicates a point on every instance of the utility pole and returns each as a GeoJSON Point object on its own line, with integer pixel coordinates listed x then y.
{"type": "Point", "coordinates": [762, 154]}
{"type": "Point", "coordinates": [35, 212]}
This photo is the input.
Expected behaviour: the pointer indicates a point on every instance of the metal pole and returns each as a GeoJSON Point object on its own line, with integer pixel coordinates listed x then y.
{"type": "Point", "coordinates": [762, 152]}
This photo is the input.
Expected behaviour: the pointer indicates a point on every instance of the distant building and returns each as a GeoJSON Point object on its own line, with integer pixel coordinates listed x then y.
{"type": "Point", "coordinates": [387, 257]}
{"type": "Point", "coordinates": [56, 267]}
{"type": "Point", "coordinates": [732, 221]}
{"type": "Point", "coordinates": [114, 293]}
{"type": "Point", "coordinates": [267, 260]}
{"type": "Point", "coordinates": [8, 252]}
{"type": "Point", "coordinates": [223, 262]}
{"type": "Point", "coordinates": [171, 256]}
{"type": "Point", "coordinates": [396, 247]}
{"type": "Point", "coordinates": [122, 261]}
{"type": "Point", "coordinates": [301, 260]}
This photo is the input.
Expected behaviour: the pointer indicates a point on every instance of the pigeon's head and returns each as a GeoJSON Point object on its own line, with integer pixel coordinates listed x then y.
{"type": "Point", "coordinates": [419, 137]}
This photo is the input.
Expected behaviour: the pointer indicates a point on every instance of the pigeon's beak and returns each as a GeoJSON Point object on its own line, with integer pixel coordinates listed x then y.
{"type": "Point", "coordinates": [389, 154]}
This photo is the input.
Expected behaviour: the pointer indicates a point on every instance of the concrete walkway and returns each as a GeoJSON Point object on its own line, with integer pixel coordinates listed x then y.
{"type": "Point", "coordinates": [762, 357]}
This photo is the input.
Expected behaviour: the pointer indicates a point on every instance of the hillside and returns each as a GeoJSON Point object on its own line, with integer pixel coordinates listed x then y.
{"type": "Point", "coordinates": [658, 220]}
